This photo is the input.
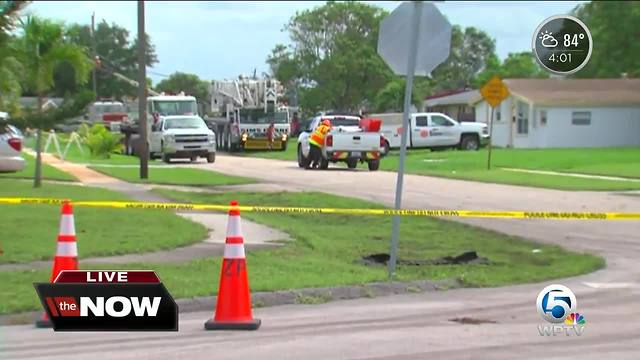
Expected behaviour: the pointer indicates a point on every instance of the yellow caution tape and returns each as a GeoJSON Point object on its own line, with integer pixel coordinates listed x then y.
{"type": "Point", "coordinates": [305, 210]}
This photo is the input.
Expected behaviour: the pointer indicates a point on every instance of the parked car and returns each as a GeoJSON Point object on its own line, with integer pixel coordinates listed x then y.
{"type": "Point", "coordinates": [10, 149]}
{"type": "Point", "coordinates": [182, 137]}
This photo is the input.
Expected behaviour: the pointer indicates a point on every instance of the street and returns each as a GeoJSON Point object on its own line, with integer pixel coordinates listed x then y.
{"type": "Point", "coordinates": [413, 326]}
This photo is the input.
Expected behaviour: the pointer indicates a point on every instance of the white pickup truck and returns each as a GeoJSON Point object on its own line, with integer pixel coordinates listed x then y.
{"type": "Point", "coordinates": [346, 142]}
{"type": "Point", "coordinates": [432, 130]}
{"type": "Point", "coordinates": [182, 137]}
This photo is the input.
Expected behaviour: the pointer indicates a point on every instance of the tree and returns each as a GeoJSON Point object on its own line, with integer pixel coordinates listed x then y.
{"type": "Point", "coordinates": [516, 65]}
{"type": "Point", "coordinates": [191, 84]}
{"type": "Point", "coordinates": [615, 32]}
{"type": "Point", "coordinates": [333, 56]}
{"type": "Point", "coordinates": [10, 66]}
{"type": "Point", "coordinates": [116, 52]}
{"type": "Point", "coordinates": [391, 97]}
{"type": "Point", "coordinates": [42, 48]}
{"type": "Point", "coordinates": [471, 50]}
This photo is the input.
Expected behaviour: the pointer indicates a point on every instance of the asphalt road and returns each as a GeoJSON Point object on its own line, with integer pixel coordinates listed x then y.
{"type": "Point", "coordinates": [410, 326]}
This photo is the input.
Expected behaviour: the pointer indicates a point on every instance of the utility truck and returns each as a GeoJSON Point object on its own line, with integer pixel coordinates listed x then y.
{"type": "Point", "coordinates": [247, 114]}
{"type": "Point", "coordinates": [347, 141]}
{"type": "Point", "coordinates": [432, 130]}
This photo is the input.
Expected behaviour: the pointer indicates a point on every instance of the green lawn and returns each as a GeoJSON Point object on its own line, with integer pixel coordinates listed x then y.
{"type": "Point", "coordinates": [173, 176]}
{"type": "Point", "coordinates": [289, 154]}
{"type": "Point", "coordinates": [471, 165]}
{"type": "Point", "coordinates": [327, 249]}
{"type": "Point", "coordinates": [31, 230]}
{"type": "Point", "coordinates": [48, 172]}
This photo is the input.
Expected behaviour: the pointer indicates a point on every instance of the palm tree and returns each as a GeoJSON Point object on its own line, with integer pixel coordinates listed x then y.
{"type": "Point", "coordinates": [9, 65]}
{"type": "Point", "coordinates": [42, 47]}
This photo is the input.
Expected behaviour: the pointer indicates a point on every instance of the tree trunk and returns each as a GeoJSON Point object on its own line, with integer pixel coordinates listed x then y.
{"type": "Point", "coordinates": [37, 179]}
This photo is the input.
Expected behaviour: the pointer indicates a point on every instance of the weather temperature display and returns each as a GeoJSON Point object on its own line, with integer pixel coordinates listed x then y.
{"type": "Point", "coordinates": [562, 44]}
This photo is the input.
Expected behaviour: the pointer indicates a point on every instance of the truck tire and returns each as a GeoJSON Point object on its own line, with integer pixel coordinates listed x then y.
{"type": "Point", "coordinates": [469, 142]}
{"type": "Point", "coordinates": [373, 164]}
{"type": "Point", "coordinates": [352, 163]}
{"type": "Point", "coordinates": [166, 158]}
{"type": "Point", "coordinates": [211, 158]}
{"type": "Point", "coordinates": [324, 164]}
{"type": "Point", "coordinates": [193, 158]}
{"type": "Point", "coordinates": [303, 162]}
{"type": "Point", "coordinates": [386, 149]}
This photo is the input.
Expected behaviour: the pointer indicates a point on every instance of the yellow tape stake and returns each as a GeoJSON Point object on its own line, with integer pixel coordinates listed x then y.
{"type": "Point", "coordinates": [306, 210]}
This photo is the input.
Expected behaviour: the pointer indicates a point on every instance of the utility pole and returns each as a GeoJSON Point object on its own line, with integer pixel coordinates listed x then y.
{"type": "Point", "coordinates": [142, 95]}
{"type": "Point", "coordinates": [93, 46]}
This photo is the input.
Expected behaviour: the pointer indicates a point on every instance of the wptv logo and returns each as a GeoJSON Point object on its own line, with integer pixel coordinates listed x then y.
{"type": "Point", "coordinates": [557, 305]}
{"type": "Point", "coordinates": [108, 301]}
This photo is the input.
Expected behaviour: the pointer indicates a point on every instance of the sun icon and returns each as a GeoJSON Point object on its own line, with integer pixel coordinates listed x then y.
{"type": "Point", "coordinates": [545, 34]}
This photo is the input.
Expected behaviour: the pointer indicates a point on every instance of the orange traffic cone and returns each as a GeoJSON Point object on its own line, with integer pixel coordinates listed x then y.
{"type": "Point", "coordinates": [233, 309]}
{"type": "Point", "coordinates": [66, 252]}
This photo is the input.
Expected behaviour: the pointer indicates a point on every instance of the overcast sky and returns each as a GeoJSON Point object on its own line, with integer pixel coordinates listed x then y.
{"type": "Point", "coordinates": [218, 40]}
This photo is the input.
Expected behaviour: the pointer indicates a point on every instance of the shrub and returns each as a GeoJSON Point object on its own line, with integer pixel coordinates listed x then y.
{"type": "Point", "coordinates": [101, 142]}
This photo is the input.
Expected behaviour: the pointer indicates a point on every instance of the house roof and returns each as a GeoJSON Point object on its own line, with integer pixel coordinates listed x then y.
{"type": "Point", "coordinates": [576, 92]}
{"type": "Point", "coordinates": [464, 97]}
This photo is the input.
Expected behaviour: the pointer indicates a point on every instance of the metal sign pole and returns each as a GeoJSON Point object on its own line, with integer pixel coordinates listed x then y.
{"type": "Point", "coordinates": [411, 65]}
{"type": "Point", "coordinates": [490, 138]}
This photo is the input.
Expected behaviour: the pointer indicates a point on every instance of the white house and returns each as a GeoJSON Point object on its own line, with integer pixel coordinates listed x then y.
{"type": "Point", "coordinates": [557, 112]}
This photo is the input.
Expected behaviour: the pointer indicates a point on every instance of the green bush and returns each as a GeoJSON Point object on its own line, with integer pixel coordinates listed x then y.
{"type": "Point", "coordinates": [101, 142]}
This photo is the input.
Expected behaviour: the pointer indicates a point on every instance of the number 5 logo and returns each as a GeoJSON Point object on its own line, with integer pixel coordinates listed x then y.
{"type": "Point", "coordinates": [555, 303]}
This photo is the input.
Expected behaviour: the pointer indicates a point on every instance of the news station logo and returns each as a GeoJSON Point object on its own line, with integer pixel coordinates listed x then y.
{"type": "Point", "coordinates": [108, 301]}
{"type": "Point", "coordinates": [557, 305]}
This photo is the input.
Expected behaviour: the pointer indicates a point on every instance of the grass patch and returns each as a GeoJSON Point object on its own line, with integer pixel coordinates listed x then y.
{"type": "Point", "coordinates": [101, 231]}
{"type": "Point", "coordinates": [48, 171]}
{"type": "Point", "coordinates": [289, 154]}
{"type": "Point", "coordinates": [326, 252]}
{"type": "Point", "coordinates": [471, 165]}
{"type": "Point", "coordinates": [173, 176]}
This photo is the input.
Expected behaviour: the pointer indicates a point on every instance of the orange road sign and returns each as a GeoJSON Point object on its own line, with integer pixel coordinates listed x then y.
{"type": "Point", "coordinates": [494, 91]}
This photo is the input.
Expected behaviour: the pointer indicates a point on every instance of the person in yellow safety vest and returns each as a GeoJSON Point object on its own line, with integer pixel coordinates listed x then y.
{"type": "Point", "coordinates": [316, 142]}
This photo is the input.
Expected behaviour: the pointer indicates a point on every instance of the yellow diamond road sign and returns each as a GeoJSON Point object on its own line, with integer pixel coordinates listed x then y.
{"type": "Point", "coordinates": [494, 91]}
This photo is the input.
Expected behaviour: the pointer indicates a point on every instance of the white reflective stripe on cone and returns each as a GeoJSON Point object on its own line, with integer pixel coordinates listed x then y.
{"type": "Point", "coordinates": [234, 251]}
{"type": "Point", "coordinates": [67, 248]}
{"type": "Point", "coordinates": [233, 226]}
{"type": "Point", "coordinates": [67, 226]}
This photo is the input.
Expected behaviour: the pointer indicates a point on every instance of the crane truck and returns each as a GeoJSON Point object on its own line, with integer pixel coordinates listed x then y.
{"type": "Point", "coordinates": [247, 114]}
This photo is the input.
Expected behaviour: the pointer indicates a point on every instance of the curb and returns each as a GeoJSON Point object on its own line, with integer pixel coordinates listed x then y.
{"type": "Point", "coordinates": [307, 296]}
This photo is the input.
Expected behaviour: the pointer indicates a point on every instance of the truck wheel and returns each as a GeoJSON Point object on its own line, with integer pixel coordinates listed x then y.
{"type": "Point", "coordinates": [303, 162]}
{"type": "Point", "coordinates": [166, 158]}
{"type": "Point", "coordinates": [469, 142]}
{"type": "Point", "coordinates": [373, 165]}
{"type": "Point", "coordinates": [352, 163]}
{"type": "Point", "coordinates": [194, 159]}
{"type": "Point", "coordinates": [211, 158]}
{"type": "Point", "coordinates": [324, 164]}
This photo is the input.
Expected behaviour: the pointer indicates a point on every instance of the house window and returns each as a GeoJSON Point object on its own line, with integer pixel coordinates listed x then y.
{"type": "Point", "coordinates": [498, 113]}
{"type": "Point", "coordinates": [581, 118]}
{"type": "Point", "coordinates": [543, 117]}
{"type": "Point", "coordinates": [523, 119]}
